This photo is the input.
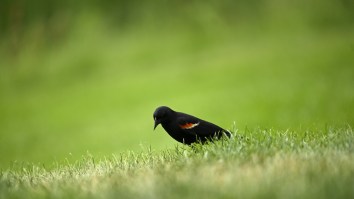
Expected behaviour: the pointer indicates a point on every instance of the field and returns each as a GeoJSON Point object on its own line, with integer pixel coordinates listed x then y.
{"type": "Point", "coordinates": [253, 164]}
{"type": "Point", "coordinates": [77, 93]}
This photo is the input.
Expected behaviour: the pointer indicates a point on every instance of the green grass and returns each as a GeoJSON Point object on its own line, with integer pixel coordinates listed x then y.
{"type": "Point", "coordinates": [78, 89]}
{"type": "Point", "coordinates": [97, 91]}
{"type": "Point", "coordinates": [257, 163]}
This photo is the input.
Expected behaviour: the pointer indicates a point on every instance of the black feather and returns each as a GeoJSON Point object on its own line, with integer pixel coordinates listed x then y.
{"type": "Point", "coordinates": [172, 121]}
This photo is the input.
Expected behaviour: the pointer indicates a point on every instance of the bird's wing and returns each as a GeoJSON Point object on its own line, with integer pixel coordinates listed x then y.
{"type": "Point", "coordinates": [196, 126]}
{"type": "Point", "coordinates": [187, 122]}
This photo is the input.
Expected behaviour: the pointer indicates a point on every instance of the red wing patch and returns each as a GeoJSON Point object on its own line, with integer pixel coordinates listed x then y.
{"type": "Point", "coordinates": [188, 125]}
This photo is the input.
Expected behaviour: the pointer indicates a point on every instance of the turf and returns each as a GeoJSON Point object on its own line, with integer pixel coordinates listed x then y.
{"type": "Point", "coordinates": [257, 163]}
{"type": "Point", "coordinates": [77, 93]}
{"type": "Point", "coordinates": [102, 90]}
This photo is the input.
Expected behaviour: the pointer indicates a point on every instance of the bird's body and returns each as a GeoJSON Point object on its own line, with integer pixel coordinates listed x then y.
{"type": "Point", "coordinates": [186, 128]}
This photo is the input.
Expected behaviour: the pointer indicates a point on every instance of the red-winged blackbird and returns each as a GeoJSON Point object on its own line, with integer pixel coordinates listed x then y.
{"type": "Point", "coordinates": [186, 128]}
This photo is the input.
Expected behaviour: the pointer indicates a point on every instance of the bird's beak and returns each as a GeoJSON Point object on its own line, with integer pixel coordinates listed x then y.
{"type": "Point", "coordinates": [157, 122]}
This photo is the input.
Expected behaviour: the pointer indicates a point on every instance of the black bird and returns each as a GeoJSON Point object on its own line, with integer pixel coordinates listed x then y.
{"type": "Point", "coordinates": [186, 128]}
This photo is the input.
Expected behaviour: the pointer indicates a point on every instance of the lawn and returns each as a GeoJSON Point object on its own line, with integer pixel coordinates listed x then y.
{"type": "Point", "coordinates": [77, 94]}
{"type": "Point", "coordinates": [98, 93]}
{"type": "Point", "coordinates": [257, 163]}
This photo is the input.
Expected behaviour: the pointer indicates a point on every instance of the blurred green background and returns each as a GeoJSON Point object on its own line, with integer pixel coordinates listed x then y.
{"type": "Point", "coordinates": [78, 76]}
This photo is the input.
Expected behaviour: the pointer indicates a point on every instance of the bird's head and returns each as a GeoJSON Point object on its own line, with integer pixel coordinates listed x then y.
{"type": "Point", "coordinates": [161, 115]}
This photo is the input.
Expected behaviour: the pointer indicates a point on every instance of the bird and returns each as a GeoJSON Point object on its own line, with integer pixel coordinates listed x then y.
{"type": "Point", "coordinates": [185, 128]}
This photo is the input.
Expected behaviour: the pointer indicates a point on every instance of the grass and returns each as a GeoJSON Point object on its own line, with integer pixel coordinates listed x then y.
{"type": "Point", "coordinates": [80, 84]}
{"type": "Point", "coordinates": [97, 86]}
{"type": "Point", "coordinates": [257, 163]}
